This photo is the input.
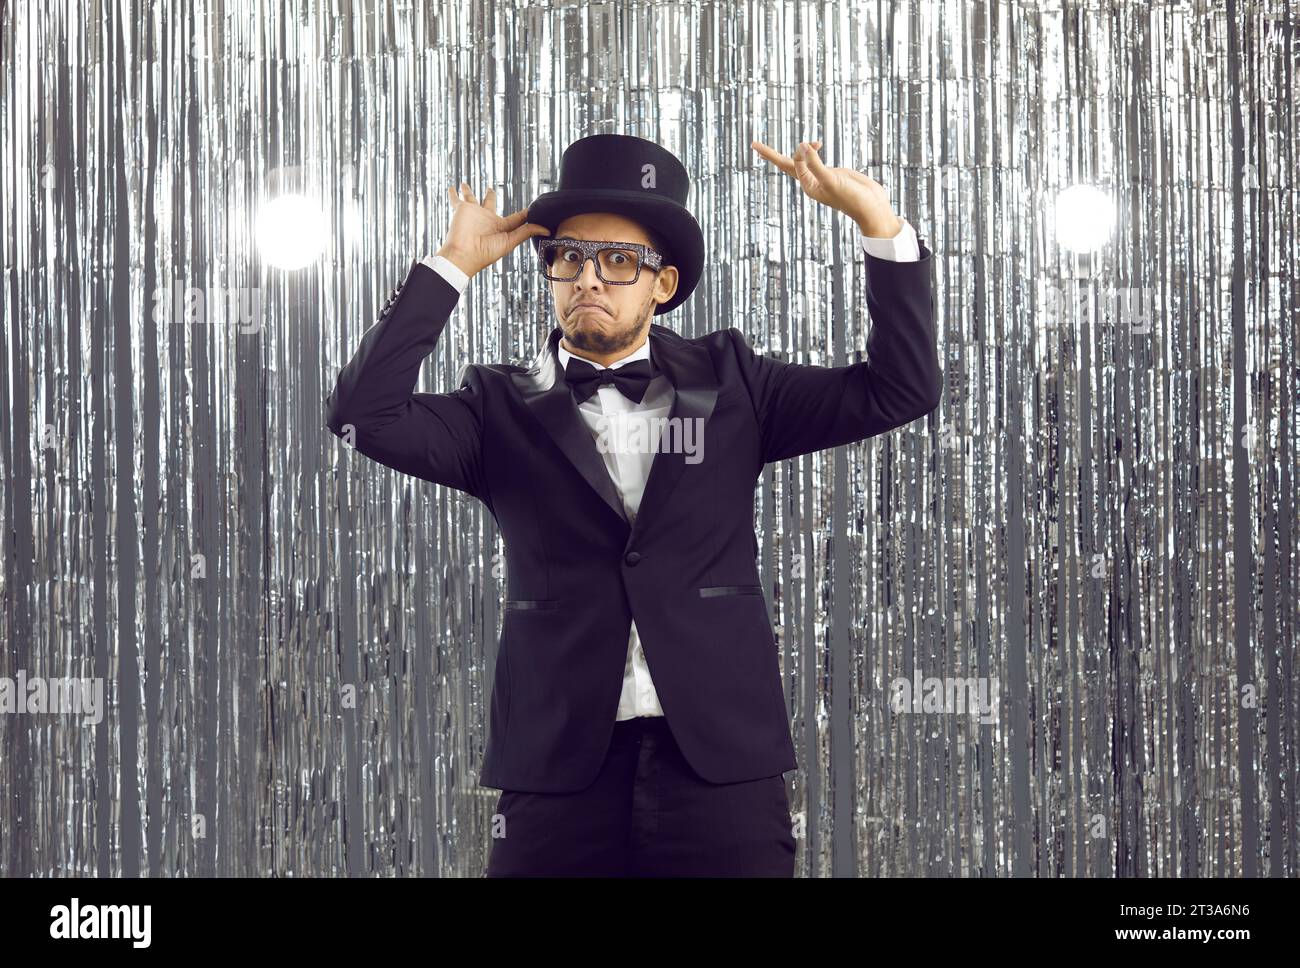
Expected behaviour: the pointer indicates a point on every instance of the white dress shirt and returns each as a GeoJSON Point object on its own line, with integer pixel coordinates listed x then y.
{"type": "Point", "coordinates": [609, 416]}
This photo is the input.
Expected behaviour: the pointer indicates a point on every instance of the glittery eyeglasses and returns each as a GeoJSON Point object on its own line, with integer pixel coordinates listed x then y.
{"type": "Point", "coordinates": [617, 263]}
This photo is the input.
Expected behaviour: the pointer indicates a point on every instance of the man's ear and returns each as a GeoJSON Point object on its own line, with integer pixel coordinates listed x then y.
{"type": "Point", "coordinates": [666, 281]}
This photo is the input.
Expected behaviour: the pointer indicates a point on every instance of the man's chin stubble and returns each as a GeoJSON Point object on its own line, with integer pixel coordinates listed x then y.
{"type": "Point", "coordinates": [595, 339]}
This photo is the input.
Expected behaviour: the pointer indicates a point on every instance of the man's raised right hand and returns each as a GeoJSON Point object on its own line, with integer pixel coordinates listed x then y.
{"type": "Point", "coordinates": [479, 236]}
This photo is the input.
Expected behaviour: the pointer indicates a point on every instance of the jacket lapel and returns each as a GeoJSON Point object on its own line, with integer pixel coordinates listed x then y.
{"type": "Point", "coordinates": [690, 371]}
{"type": "Point", "coordinates": [543, 388]}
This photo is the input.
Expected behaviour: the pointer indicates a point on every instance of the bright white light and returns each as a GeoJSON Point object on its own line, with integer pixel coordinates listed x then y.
{"type": "Point", "coordinates": [353, 225]}
{"type": "Point", "coordinates": [291, 231]}
{"type": "Point", "coordinates": [1084, 218]}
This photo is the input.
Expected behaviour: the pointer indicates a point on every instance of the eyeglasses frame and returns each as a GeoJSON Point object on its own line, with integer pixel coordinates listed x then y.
{"type": "Point", "coordinates": [646, 257]}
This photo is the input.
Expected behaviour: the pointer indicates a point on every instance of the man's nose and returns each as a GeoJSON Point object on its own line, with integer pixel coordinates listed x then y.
{"type": "Point", "coordinates": [587, 278]}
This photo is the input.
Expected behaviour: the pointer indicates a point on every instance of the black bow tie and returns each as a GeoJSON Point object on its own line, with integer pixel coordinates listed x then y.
{"type": "Point", "coordinates": [631, 379]}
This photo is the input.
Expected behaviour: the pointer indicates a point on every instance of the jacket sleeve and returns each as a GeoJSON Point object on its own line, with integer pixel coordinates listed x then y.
{"type": "Point", "coordinates": [801, 409]}
{"type": "Point", "coordinates": [434, 436]}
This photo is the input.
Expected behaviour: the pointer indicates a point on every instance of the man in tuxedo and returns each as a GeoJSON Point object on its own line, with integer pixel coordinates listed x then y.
{"type": "Point", "coordinates": [638, 724]}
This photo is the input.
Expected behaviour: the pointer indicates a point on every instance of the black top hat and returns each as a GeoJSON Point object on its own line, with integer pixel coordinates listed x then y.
{"type": "Point", "coordinates": [638, 179]}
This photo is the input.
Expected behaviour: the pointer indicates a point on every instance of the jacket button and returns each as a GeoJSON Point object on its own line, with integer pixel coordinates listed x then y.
{"type": "Point", "coordinates": [632, 557]}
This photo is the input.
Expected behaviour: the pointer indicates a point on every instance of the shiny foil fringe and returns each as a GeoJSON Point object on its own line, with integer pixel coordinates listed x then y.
{"type": "Point", "coordinates": [1100, 516]}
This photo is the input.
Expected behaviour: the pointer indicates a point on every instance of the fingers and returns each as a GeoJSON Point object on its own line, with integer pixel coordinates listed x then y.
{"type": "Point", "coordinates": [775, 157]}
{"type": "Point", "coordinates": [515, 219]}
{"type": "Point", "coordinates": [802, 166]}
{"type": "Point", "coordinates": [519, 228]}
{"type": "Point", "coordinates": [783, 162]}
{"type": "Point", "coordinates": [466, 194]}
{"type": "Point", "coordinates": [526, 231]}
{"type": "Point", "coordinates": [515, 225]}
{"type": "Point", "coordinates": [814, 160]}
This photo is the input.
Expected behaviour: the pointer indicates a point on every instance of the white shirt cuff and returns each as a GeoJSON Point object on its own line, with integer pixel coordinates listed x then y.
{"type": "Point", "coordinates": [903, 247]}
{"type": "Point", "coordinates": [448, 270]}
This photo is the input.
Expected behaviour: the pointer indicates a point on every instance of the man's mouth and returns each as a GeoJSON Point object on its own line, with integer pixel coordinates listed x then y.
{"type": "Point", "coordinates": [590, 306]}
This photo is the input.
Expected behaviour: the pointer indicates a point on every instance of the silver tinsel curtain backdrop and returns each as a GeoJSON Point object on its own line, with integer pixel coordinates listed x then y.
{"type": "Point", "coordinates": [295, 644]}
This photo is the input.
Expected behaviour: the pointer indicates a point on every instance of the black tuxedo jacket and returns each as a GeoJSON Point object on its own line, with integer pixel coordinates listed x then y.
{"type": "Point", "coordinates": [577, 573]}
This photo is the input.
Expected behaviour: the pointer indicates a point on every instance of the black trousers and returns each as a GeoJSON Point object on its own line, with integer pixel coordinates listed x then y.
{"type": "Point", "coordinates": [647, 814]}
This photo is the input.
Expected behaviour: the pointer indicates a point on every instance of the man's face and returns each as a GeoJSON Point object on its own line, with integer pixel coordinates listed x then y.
{"type": "Point", "coordinates": [602, 318]}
